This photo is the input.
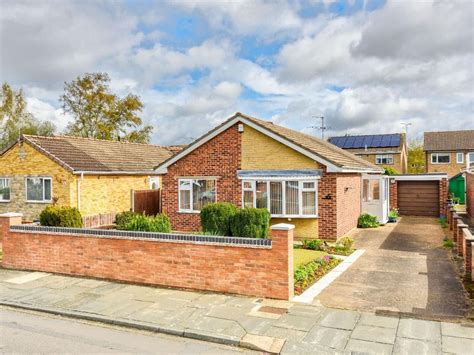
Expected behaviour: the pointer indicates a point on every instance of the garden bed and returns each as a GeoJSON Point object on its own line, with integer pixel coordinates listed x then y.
{"type": "Point", "coordinates": [307, 274]}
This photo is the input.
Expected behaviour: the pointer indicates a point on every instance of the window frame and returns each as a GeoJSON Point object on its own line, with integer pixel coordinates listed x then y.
{"type": "Point", "coordinates": [283, 182]}
{"type": "Point", "coordinates": [190, 189]}
{"type": "Point", "coordinates": [384, 156]}
{"type": "Point", "coordinates": [437, 158]}
{"type": "Point", "coordinates": [43, 179]}
{"type": "Point", "coordinates": [459, 161]}
{"type": "Point", "coordinates": [9, 186]}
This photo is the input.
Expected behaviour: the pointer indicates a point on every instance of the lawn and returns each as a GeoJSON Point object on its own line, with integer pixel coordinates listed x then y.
{"type": "Point", "coordinates": [304, 256]}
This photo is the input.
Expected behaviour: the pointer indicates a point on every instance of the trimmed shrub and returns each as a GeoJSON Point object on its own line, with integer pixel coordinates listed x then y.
{"type": "Point", "coordinates": [139, 222]}
{"type": "Point", "coordinates": [366, 220]}
{"type": "Point", "coordinates": [251, 223]}
{"type": "Point", "coordinates": [121, 219]}
{"type": "Point", "coordinates": [314, 244]}
{"type": "Point", "coordinates": [216, 218]}
{"type": "Point", "coordinates": [61, 216]}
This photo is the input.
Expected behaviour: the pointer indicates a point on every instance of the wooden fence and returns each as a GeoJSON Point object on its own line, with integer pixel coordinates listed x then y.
{"type": "Point", "coordinates": [99, 220]}
{"type": "Point", "coordinates": [147, 201]}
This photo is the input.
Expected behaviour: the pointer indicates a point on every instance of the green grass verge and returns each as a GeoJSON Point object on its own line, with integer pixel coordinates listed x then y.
{"type": "Point", "coordinates": [304, 256]}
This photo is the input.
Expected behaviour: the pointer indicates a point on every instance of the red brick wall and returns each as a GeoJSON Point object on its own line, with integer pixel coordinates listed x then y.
{"type": "Point", "coordinates": [327, 206]}
{"type": "Point", "coordinates": [470, 194]}
{"type": "Point", "coordinates": [219, 157]}
{"type": "Point", "coordinates": [348, 202]}
{"type": "Point", "coordinates": [393, 194]}
{"type": "Point", "coordinates": [248, 271]}
{"type": "Point", "coordinates": [443, 197]}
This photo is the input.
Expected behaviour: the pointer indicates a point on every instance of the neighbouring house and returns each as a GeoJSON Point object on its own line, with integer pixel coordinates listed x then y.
{"type": "Point", "coordinates": [300, 179]}
{"type": "Point", "coordinates": [449, 152]}
{"type": "Point", "coordinates": [387, 150]}
{"type": "Point", "coordinates": [96, 176]}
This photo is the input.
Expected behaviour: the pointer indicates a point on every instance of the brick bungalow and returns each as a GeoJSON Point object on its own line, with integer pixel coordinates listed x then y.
{"type": "Point", "coordinates": [254, 163]}
{"type": "Point", "coordinates": [96, 176]}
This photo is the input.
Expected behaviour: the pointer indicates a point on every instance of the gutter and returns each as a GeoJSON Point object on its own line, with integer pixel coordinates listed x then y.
{"type": "Point", "coordinates": [92, 172]}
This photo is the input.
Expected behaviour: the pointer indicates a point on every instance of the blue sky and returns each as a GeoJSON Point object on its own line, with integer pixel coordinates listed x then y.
{"type": "Point", "coordinates": [363, 64]}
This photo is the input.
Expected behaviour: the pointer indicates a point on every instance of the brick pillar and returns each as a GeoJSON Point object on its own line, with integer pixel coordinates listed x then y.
{"type": "Point", "coordinates": [450, 218]}
{"type": "Point", "coordinates": [460, 227]}
{"type": "Point", "coordinates": [7, 220]}
{"type": "Point", "coordinates": [456, 219]}
{"type": "Point", "coordinates": [393, 194]}
{"type": "Point", "coordinates": [282, 236]}
{"type": "Point", "coordinates": [468, 239]}
{"type": "Point", "coordinates": [443, 196]}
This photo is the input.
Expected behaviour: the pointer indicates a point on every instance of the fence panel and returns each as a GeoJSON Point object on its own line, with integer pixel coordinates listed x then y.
{"type": "Point", "coordinates": [147, 201]}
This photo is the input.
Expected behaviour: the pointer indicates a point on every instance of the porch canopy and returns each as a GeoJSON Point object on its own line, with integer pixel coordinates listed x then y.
{"type": "Point", "coordinates": [298, 174]}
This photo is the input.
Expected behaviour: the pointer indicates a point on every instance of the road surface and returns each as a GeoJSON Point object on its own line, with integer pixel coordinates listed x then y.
{"type": "Point", "coordinates": [27, 332]}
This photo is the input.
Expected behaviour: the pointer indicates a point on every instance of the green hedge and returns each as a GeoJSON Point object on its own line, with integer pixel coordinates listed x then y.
{"type": "Point", "coordinates": [61, 216]}
{"type": "Point", "coordinates": [251, 223]}
{"type": "Point", "coordinates": [121, 219]}
{"type": "Point", "coordinates": [216, 218]}
{"type": "Point", "coordinates": [139, 222]}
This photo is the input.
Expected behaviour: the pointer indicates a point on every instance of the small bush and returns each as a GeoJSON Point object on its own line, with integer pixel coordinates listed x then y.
{"type": "Point", "coordinates": [216, 218]}
{"type": "Point", "coordinates": [139, 222]}
{"type": "Point", "coordinates": [345, 243]}
{"type": "Point", "coordinates": [61, 216]}
{"type": "Point", "coordinates": [251, 223]}
{"type": "Point", "coordinates": [314, 244]}
{"type": "Point", "coordinates": [366, 220]}
{"type": "Point", "coordinates": [121, 219]}
{"type": "Point", "coordinates": [393, 213]}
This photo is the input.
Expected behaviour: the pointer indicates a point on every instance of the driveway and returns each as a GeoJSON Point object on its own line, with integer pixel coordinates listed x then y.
{"type": "Point", "coordinates": [405, 269]}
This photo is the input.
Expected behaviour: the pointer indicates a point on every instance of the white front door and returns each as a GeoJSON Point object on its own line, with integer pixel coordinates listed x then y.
{"type": "Point", "coordinates": [375, 196]}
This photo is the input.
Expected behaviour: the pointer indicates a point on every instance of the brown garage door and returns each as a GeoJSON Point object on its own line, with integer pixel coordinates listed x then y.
{"type": "Point", "coordinates": [418, 198]}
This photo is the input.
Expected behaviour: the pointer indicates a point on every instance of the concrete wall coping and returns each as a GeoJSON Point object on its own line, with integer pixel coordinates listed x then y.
{"type": "Point", "coordinates": [282, 227]}
{"type": "Point", "coordinates": [468, 235]}
{"type": "Point", "coordinates": [10, 214]}
{"type": "Point", "coordinates": [462, 225]}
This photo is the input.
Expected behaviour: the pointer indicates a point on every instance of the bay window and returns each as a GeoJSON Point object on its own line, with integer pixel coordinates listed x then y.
{"type": "Point", "coordinates": [289, 198]}
{"type": "Point", "coordinates": [4, 190]}
{"type": "Point", "coordinates": [38, 189]}
{"type": "Point", "coordinates": [194, 194]}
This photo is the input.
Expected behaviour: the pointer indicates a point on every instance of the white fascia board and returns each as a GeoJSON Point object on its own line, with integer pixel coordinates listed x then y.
{"type": "Point", "coordinates": [368, 171]}
{"type": "Point", "coordinates": [279, 178]}
{"type": "Point", "coordinates": [419, 177]}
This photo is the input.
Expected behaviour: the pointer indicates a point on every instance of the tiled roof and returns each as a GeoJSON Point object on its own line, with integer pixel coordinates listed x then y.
{"type": "Point", "coordinates": [322, 148]}
{"type": "Point", "coordinates": [367, 141]}
{"type": "Point", "coordinates": [449, 140]}
{"type": "Point", "coordinates": [95, 155]}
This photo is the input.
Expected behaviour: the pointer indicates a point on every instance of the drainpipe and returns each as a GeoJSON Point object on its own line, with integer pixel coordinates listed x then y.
{"type": "Point", "coordinates": [79, 192]}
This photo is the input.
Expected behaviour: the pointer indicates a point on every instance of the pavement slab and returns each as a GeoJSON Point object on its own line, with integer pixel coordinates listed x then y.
{"type": "Point", "coordinates": [339, 319]}
{"type": "Point", "coordinates": [375, 334]}
{"type": "Point", "coordinates": [454, 345]}
{"type": "Point", "coordinates": [404, 346]}
{"type": "Point", "coordinates": [457, 330]}
{"type": "Point", "coordinates": [328, 337]}
{"type": "Point", "coordinates": [420, 329]}
{"type": "Point", "coordinates": [378, 321]}
{"type": "Point", "coordinates": [368, 347]}
{"type": "Point", "coordinates": [295, 322]}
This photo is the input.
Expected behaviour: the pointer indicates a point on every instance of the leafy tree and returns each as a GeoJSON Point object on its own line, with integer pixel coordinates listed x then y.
{"type": "Point", "coordinates": [98, 113]}
{"type": "Point", "coordinates": [416, 157]}
{"type": "Point", "coordinates": [16, 120]}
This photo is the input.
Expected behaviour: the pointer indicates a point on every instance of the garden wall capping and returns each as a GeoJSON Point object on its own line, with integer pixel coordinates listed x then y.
{"type": "Point", "coordinates": [148, 236]}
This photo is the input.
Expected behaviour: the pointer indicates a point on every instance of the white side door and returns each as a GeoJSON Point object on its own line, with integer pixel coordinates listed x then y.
{"type": "Point", "coordinates": [375, 196]}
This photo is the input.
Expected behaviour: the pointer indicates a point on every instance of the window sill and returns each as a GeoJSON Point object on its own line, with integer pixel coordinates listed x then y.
{"type": "Point", "coordinates": [296, 217]}
{"type": "Point", "coordinates": [440, 163]}
{"type": "Point", "coordinates": [5, 201]}
{"type": "Point", "coordinates": [189, 212]}
{"type": "Point", "coordinates": [43, 202]}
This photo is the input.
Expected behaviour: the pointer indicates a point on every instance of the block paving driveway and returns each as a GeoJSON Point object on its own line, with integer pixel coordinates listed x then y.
{"type": "Point", "coordinates": [289, 327]}
{"type": "Point", "coordinates": [405, 269]}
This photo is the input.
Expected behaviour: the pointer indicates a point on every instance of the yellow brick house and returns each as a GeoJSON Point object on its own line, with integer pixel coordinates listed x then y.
{"type": "Point", "coordinates": [96, 176]}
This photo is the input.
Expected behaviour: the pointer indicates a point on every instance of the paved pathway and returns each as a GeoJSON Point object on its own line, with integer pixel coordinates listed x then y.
{"type": "Point", "coordinates": [404, 269]}
{"type": "Point", "coordinates": [263, 324]}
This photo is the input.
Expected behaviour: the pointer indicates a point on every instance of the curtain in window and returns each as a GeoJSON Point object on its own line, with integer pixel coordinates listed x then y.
{"type": "Point", "coordinates": [261, 190]}
{"type": "Point", "coordinates": [204, 192]}
{"type": "Point", "coordinates": [309, 202]}
{"type": "Point", "coordinates": [292, 198]}
{"type": "Point", "coordinates": [276, 198]}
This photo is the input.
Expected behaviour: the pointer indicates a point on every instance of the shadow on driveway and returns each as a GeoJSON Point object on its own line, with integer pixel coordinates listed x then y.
{"type": "Point", "coordinates": [404, 269]}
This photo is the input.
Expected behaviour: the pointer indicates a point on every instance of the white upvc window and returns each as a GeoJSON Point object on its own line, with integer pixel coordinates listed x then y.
{"type": "Point", "coordinates": [384, 159]}
{"type": "Point", "coordinates": [470, 158]}
{"type": "Point", "coordinates": [5, 189]}
{"type": "Point", "coordinates": [39, 189]}
{"type": "Point", "coordinates": [194, 194]}
{"type": "Point", "coordinates": [287, 198]}
{"type": "Point", "coordinates": [370, 190]}
{"type": "Point", "coordinates": [440, 158]}
{"type": "Point", "coordinates": [459, 157]}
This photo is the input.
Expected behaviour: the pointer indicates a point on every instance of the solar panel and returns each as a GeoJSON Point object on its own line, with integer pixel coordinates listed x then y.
{"type": "Point", "coordinates": [371, 141]}
{"type": "Point", "coordinates": [376, 141]}
{"type": "Point", "coordinates": [359, 142]}
{"type": "Point", "coordinates": [395, 141]}
{"type": "Point", "coordinates": [385, 141]}
{"type": "Point", "coordinates": [349, 142]}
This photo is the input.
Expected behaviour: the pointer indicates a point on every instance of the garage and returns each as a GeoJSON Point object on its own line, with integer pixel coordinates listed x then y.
{"type": "Point", "coordinates": [419, 195]}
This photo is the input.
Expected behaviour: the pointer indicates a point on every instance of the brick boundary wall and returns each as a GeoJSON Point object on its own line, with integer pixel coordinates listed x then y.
{"type": "Point", "coordinates": [470, 194]}
{"type": "Point", "coordinates": [393, 194]}
{"type": "Point", "coordinates": [262, 271]}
